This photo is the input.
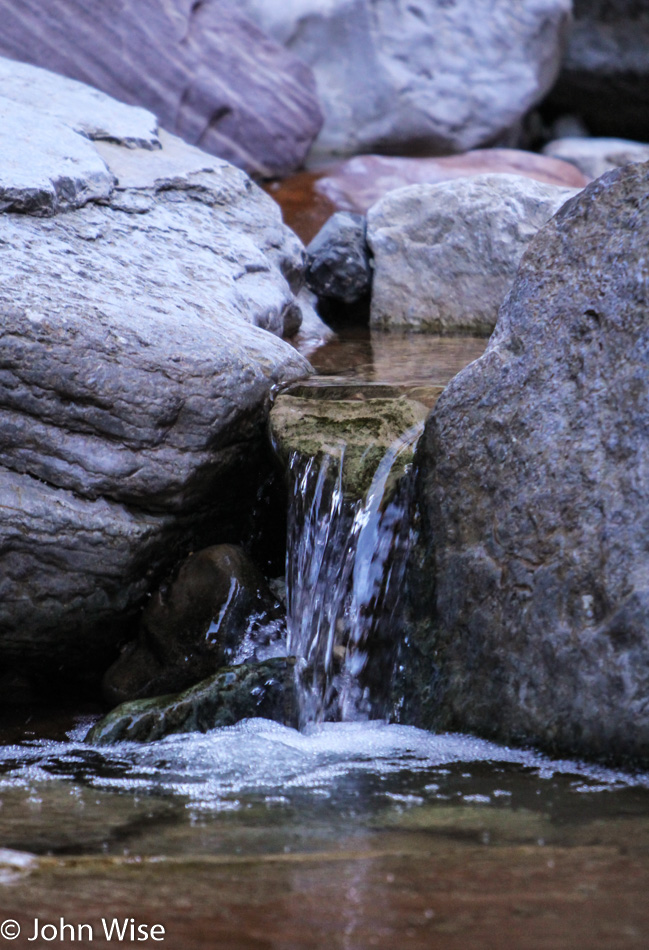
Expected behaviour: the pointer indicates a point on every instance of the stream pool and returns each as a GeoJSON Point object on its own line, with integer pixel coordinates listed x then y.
{"type": "Point", "coordinates": [348, 835]}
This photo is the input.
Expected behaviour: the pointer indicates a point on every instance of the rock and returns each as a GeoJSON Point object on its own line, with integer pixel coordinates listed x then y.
{"type": "Point", "coordinates": [208, 74]}
{"type": "Point", "coordinates": [49, 169]}
{"type": "Point", "coordinates": [308, 199]}
{"type": "Point", "coordinates": [535, 490]}
{"type": "Point", "coordinates": [240, 692]}
{"type": "Point", "coordinates": [139, 340]}
{"type": "Point", "coordinates": [446, 255]}
{"type": "Point", "coordinates": [338, 259]}
{"type": "Point", "coordinates": [605, 74]}
{"type": "Point", "coordinates": [302, 422]}
{"type": "Point", "coordinates": [431, 77]}
{"type": "Point", "coordinates": [84, 109]}
{"type": "Point", "coordinates": [595, 156]}
{"type": "Point", "coordinates": [194, 625]}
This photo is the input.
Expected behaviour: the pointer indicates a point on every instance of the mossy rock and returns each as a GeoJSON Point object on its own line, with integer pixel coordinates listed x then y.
{"type": "Point", "coordinates": [239, 692]}
{"type": "Point", "coordinates": [365, 429]}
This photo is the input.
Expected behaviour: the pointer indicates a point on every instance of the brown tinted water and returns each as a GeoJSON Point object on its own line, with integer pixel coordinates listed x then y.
{"type": "Point", "coordinates": [351, 836]}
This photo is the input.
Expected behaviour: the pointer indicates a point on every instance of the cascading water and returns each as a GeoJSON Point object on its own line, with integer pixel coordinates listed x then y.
{"type": "Point", "coordinates": [345, 567]}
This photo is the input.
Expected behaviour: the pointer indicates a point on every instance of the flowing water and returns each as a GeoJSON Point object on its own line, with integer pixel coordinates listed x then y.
{"type": "Point", "coordinates": [346, 835]}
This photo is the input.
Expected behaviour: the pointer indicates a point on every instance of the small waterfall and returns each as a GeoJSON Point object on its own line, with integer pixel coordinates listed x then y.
{"type": "Point", "coordinates": [345, 569]}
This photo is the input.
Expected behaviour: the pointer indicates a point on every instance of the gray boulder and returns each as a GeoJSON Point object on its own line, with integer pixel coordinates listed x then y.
{"type": "Point", "coordinates": [605, 74]}
{"type": "Point", "coordinates": [595, 157]}
{"type": "Point", "coordinates": [535, 491]}
{"type": "Point", "coordinates": [209, 75]}
{"type": "Point", "coordinates": [436, 77]}
{"type": "Point", "coordinates": [140, 340]}
{"type": "Point", "coordinates": [446, 255]}
{"type": "Point", "coordinates": [338, 259]}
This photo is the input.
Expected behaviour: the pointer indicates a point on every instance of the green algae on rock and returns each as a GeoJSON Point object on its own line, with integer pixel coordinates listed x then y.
{"type": "Point", "coordinates": [234, 693]}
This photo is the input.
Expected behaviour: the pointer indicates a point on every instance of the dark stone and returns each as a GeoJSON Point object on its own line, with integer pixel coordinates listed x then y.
{"type": "Point", "coordinates": [534, 486]}
{"type": "Point", "coordinates": [195, 625]}
{"type": "Point", "coordinates": [240, 692]}
{"type": "Point", "coordinates": [338, 259]}
{"type": "Point", "coordinates": [605, 75]}
{"type": "Point", "coordinates": [208, 74]}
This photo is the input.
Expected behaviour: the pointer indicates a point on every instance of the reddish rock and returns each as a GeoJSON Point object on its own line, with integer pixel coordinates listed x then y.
{"type": "Point", "coordinates": [308, 199]}
{"type": "Point", "coordinates": [208, 74]}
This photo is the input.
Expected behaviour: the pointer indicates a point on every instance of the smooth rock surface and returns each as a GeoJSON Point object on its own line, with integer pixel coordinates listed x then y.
{"type": "Point", "coordinates": [209, 75]}
{"type": "Point", "coordinates": [605, 73]}
{"type": "Point", "coordinates": [139, 340]}
{"type": "Point", "coordinates": [240, 692]}
{"type": "Point", "coordinates": [338, 259]}
{"type": "Point", "coordinates": [308, 199]}
{"type": "Point", "coordinates": [446, 255]}
{"type": "Point", "coordinates": [438, 77]}
{"type": "Point", "coordinates": [535, 491]}
{"type": "Point", "coordinates": [194, 625]}
{"type": "Point", "coordinates": [596, 156]}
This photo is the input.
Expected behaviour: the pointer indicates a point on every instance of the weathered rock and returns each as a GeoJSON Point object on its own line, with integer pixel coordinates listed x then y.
{"type": "Point", "coordinates": [308, 199]}
{"type": "Point", "coordinates": [605, 74]}
{"type": "Point", "coordinates": [240, 692]}
{"type": "Point", "coordinates": [208, 74]}
{"type": "Point", "coordinates": [135, 370]}
{"type": "Point", "coordinates": [595, 157]}
{"type": "Point", "coordinates": [535, 491]}
{"type": "Point", "coordinates": [446, 255]}
{"type": "Point", "coordinates": [194, 625]}
{"type": "Point", "coordinates": [434, 76]}
{"type": "Point", "coordinates": [338, 259]}
{"type": "Point", "coordinates": [84, 109]}
{"type": "Point", "coordinates": [365, 428]}
{"type": "Point", "coordinates": [49, 168]}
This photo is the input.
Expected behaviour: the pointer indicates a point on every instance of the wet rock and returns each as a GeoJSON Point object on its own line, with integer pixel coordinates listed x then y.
{"type": "Point", "coordinates": [140, 341]}
{"type": "Point", "coordinates": [595, 157]}
{"type": "Point", "coordinates": [605, 73]}
{"type": "Point", "coordinates": [535, 488]}
{"type": "Point", "coordinates": [397, 82]}
{"type": "Point", "coordinates": [194, 625]}
{"type": "Point", "coordinates": [446, 255]}
{"type": "Point", "coordinates": [365, 428]}
{"type": "Point", "coordinates": [338, 260]}
{"type": "Point", "coordinates": [208, 74]}
{"type": "Point", "coordinates": [240, 692]}
{"type": "Point", "coordinates": [308, 199]}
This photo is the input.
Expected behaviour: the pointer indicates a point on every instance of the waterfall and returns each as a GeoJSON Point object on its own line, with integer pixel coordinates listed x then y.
{"type": "Point", "coordinates": [345, 568]}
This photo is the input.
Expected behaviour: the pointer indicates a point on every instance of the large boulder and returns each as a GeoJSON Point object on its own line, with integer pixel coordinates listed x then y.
{"type": "Point", "coordinates": [309, 198]}
{"type": "Point", "coordinates": [208, 74]}
{"type": "Point", "coordinates": [437, 77]}
{"type": "Point", "coordinates": [535, 496]}
{"type": "Point", "coordinates": [446, 255]}
{"type": "Point", "coordinates": [140, 339]}
{"type": "Point", "coordinates": [605, 74]}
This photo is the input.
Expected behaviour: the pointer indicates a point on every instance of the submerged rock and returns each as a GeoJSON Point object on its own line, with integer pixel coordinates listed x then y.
{"type": "Point", "coordinates": [446, 255]}
{"type": "Point", "coordinates": [434, 77]}
{"type": "Point", "coordinates": [140, 341]}
{"type": "Point", "coordinates": [338, 260]}
{"type": "Point", "coordinates": [240, 692]}
{"type": "Point", "coordinates": [535, 490]}
{"type": "Point", "coordinates": [595, 157]}
{"type": "Point", "coordinates": [208, 74]}
{"type": "Point", "coordinates": [194, 625]}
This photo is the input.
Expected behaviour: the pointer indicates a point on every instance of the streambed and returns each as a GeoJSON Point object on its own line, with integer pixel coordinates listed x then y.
{"type": "Point", "coordinates": [350, 835]}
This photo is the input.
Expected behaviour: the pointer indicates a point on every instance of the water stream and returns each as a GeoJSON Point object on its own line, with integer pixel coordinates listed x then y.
{"type": "Point", "coordinates": [345, 835]}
